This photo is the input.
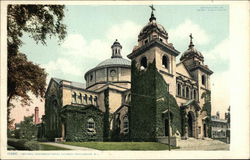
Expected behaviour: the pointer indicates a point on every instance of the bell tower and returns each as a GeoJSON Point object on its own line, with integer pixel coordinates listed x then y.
{"type": "Point", "coordinates": [194, 61]}
{"type": "Point", "coordinates": [152, 75]}
{"type": "Point", "coordinates": [153, 47]}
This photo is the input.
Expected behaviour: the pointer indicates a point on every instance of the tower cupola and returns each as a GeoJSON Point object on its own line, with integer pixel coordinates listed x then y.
{"type": "Point", "coordinates": [116, 49]}
{"type": "Point", "coordinates": [191, 52]}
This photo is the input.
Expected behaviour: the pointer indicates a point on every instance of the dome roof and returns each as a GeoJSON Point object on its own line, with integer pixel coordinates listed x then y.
{"type": "Point", "coordinates": [192, 51]}
{"type": "Point", "coordinates": [152, 26]}
{"type": "Point", "coordinates": [114, 61]}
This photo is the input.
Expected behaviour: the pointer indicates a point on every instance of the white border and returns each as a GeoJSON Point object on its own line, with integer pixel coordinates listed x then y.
{"type": "Point", "coordinates": [239, 69]}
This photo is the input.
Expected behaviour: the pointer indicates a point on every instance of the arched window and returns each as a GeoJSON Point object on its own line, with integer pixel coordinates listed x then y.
{"type": "Point", "coordinates": [85, 98]}
{"type": "Point", "coordinates": [95, 101]}
{"type": "Point", "coordinates": [191, 94]}
{"type": "Point", "coordinates": [74, 97]}
{"type": "Point", "coordinates": [91, 99]}
{"type": "Point", "coordinates": [203, 79]}
{"type": "Point", "coordinates": [144, 62]}
{"type": "Point", "coordinates": [80, 98]}
{"type": "Point", "coordinates": [179, 89]}
{"type": "Point", "coordinates": [195, 94]}
{"type": "Point", "coordinates": [183, 91]}
{"type": "Point", "coordinates": [91, 126]}
{"type": "Point", "coordinates": [125, 124]}
{"type": "Point", "coordinates": [165, 61]}
{"type": "Point", "coordinates": [187, 92]}
{"type": "Point", "coordinates": [91, 77]}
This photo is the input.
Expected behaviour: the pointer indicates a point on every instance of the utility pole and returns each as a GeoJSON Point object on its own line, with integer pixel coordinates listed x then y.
{"type": "Point", "coordinates": [168, 121]}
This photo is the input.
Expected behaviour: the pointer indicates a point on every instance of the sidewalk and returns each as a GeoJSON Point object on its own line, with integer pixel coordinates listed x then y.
{"type": "Point", "coordinates": [69, 146]}
{"type": "Point", "coordinates": [205, 145]}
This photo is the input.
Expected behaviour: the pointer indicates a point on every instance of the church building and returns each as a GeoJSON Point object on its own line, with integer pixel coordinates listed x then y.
{"type": "Point", "coordinates": [144, 99]}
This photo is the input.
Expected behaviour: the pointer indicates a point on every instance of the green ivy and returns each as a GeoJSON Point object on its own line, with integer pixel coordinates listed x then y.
{"type": "Point", "coordinates": [148, 102]}
{"type": "Point", "coordinates": [106, 125]}
{"type": "Point", "coordinates": [75, 120]}
{"type": "Point", "coordinates": [207, 108]}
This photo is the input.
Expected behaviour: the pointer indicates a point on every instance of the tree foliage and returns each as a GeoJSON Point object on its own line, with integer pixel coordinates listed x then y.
{"type": "Point", "coordinates": [28, 129]}
{"type": "Point", "coordinates": [39, 22]}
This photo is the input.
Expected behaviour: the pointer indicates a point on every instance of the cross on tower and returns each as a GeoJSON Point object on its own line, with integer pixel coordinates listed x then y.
{"type": "Point", "coordinates": [152, 7]}
{"type": "Point", "coordinates": [152, 13]}
{"type": "Point", "coordinates": [191, 40]}
{"type": "Point", "coordinates": [191, 37]}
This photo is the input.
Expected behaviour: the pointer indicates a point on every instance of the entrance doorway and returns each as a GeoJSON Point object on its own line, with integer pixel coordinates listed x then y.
{"type": "Point", "coordinates": [190, 125]}
{"type": "Point", "coordinates": [205, 129]}
{"type": "Point", "coordinates": [166, 127]}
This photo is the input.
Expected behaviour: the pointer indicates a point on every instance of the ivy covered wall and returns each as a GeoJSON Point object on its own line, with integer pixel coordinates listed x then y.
{"type": "Point", "coordinates": [52, 120]}
{"type": "Point", "coordinates": [149, 98]}
{"type": "Point", "coordinates": [163, 100]}
{"type": "Point", "coordinates": [106, 117]}
{"type": "Point", "coordinates": [207, 108]}
{"type": "Point", "coordinates": [76, 119]}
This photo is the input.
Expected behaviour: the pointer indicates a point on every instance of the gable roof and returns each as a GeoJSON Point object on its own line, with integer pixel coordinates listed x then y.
{"type": "Point", "coordinates": [182, 69]}
{"type": "Point", "coordinates": [73, 84]}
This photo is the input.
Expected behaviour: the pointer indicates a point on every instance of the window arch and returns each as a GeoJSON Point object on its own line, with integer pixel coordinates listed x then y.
{"type": "Point", "coordinates": [85, 98]}
{"type": "Point", "coordinates": [91, 126]}
{"type": "Point", "coordinates": [187, 92]}
{"type": "Point", "coordinates": [195, 94]}
{"type": "Point", "coordinates": [144, 62]}
{"type": "Point", "coordinates": [179, 89]}
{"type": "Point", "coordinates": [165, 61]}
{"type": "Point", "coordinates": [74, 97]}
{"type": "Point", "coordinates": [95, 100]}
{"type": "Point", "coordinates": [191, 94]}
{"type": "Point", "coordinates": [91, 77]}
{"type": "Point", "coordinates": [125, 124]}
{"type": "Point", "coordinates": [91, 99]}
{"type": "Point", "coordinates": [203, 79]}
{"type": "Point", "coordinates": [80, 98]}
{"type": "Point", "coordinates": [183, 91]}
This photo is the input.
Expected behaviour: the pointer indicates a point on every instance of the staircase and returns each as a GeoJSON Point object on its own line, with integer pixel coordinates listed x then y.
{"type": "Point", "coordinates": [202, 144]}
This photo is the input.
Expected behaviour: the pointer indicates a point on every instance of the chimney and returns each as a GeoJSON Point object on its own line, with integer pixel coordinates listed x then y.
{"type": "Point", "coordinates": [37, 115]}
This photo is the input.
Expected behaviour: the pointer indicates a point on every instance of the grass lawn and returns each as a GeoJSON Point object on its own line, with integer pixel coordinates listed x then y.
{"type": "Point", "coordinates": [49, 147]}
{"type": "Point", "coordinates": [122, 145]}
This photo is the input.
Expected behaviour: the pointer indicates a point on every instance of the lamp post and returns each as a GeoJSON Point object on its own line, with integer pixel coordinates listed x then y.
{"type": "Point", "coordinates": [168, 121]}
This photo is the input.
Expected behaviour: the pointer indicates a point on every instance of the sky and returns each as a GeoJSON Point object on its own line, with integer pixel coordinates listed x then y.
{"type": "Point", "coordinates": [92, 29]}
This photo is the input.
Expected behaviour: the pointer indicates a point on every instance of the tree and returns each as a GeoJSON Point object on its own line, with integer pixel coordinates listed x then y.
{"type": "Point", "coordinates": [28, 129]}
{"type": "Point", "coordinates": [40, 22]}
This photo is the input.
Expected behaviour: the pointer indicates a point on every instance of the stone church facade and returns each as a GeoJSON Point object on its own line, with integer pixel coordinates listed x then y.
{"type": "Point", "coordinates": [126, 100]}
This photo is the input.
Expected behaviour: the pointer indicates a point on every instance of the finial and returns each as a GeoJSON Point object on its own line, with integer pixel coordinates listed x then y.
{"type": "Point", "coordinates": [152, 7]}
{"type": "Point", "coordinates": [152, 13]}
{"type": "Point", "coordinates": [191, 41]}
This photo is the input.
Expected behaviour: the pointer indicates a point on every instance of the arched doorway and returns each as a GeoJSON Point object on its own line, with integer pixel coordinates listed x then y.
{"type": "Point", "coordinates": [205, 129]}
{"type": "Point", "coordinates": [166, 127]}
{"type": "Point", "coordinates": [166, 124]}
{"type": "Point", "coordinates": [190, 124]}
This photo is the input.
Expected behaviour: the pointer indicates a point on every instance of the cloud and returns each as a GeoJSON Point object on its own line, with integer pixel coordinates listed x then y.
{"type": "Point", "coordinates": [183, 30]}
{"type": "Point", "coordinates": [77, 54]}
{"type": "Point", "coordinates": [126, 33]}
{"type": "Point", "coordinates": [63, 66]}
{"type": "Point", "coordinates": [219, 52]}
{"type": "Point", "coordinates": [127, 30]}
{"type": "Point", "coordinates": [220, 91]}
